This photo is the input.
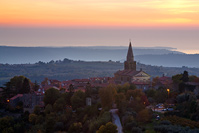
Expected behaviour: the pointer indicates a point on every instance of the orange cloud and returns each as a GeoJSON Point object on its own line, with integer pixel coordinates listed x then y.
{"type": "Point", "coordinates": [99, 13]}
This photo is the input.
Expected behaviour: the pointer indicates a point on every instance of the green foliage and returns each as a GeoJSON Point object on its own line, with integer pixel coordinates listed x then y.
{"type": "Point", "coordinates": [91, 111]}
{"type": "Point", "coordinates": [187, 106]}
{"type": "Point", "coordinates": [161, 95]}
{"type": "Point", "coordinates": [108, 128]}
{"type": "Point", "coordinates": [26, 86]}
{"type": "Point", "coordinates": [107, 96]}
{"type": "Point", "coordinates": [75, 128]}
{"type": "Point", "coordinates": [6, 124]}
{"type": "Point", "coordinates": [37, 110]}
{"type": "Point", "coordinates": [150, 93]}
{"type": "Point", "coordinates": [16, 85]}
{"type": "Point", "coordinates": [48, 109]}
{"type": "Point", "coordinates": [185, 76]}
{"type": "Point", "coordinates": [120, 100]}
{"type": "Point", "coordinates": [66, 70]}
{"type": "Point", "coordinates": [95, 123]}
{"type": "Point", "coordinates": [129, 125]}
{"type": "Point", "coordinates": [174, 129]}
{"type": "Point", "coordinates": [123, 88]}
{"type": "Point", "coordinates": [60, 104]}
{"type": "Point", "coordinates": [177, 78]}
{"type": "Point", "coordinates": [50, 123]}
{"type": "Point", "coordinates": [194, 78]}
{"type": "Point", "coordinates": [182, 121]}
{"type": "Point", "coordinates": [19, 127]}
{"type": "Point", "coordinates": [32, 118]}
{"type": "Point", "coordinates": [144, 116]}
{"type": "Point", "coordinates": [136, 130]}
{"type": "Point", "coordinates": [78, 99]}
{"type": "Point", "coordinates": [51, 95]}
{"type": "Point", "coordinates": [35, 86]}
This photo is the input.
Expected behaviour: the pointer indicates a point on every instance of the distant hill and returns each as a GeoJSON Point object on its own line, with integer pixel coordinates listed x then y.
{"type": "Point", "coordinates": [22, 55]}
{"type": "Point", "coordinates": [170, 60]}
{"type": "Point", "coordinates": [69, 69]}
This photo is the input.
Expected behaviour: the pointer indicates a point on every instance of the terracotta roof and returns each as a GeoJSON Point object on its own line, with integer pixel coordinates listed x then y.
{"type": "Point", "coordinates": [165, 80]}
{"type": "Point", "coordinates": [141, 83]}
{"type": "Point", "coordinates": [18, 95]}
{"type": "Point", "coordinates": [192, 83]}
{"type": "Point", "coordinates": [81, 80]}
{"type": "Point", "coordinates": [127, 72]}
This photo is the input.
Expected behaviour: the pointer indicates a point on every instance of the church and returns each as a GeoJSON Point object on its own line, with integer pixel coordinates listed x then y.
{"type": "Point", "coordinates": [130, 75]}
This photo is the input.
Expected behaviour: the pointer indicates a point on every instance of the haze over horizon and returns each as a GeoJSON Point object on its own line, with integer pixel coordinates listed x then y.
{"type": "Point", "coordinates": [164, 23]}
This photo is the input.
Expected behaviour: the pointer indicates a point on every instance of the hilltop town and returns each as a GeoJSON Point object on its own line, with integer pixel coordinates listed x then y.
{"type": "Point", "coordinates": [139, 101]}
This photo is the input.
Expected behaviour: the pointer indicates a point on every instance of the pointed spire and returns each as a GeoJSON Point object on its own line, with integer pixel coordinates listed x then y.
{"type": "Point", "coordinates": [130, 64]}
{"type": "Point", "coordinates": [130, 56]}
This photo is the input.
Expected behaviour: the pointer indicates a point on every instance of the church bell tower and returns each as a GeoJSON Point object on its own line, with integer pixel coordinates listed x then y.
{"type": "Point", "coordinates": [130, 64]}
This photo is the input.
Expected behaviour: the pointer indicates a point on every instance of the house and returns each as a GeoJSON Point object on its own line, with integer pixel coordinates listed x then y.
{"type": "Point", "coordinates": [164, 81]}
{"type": "Point", "coordinates": [29, 101]}
{"type": "Point", "coordinates": [13, 101]}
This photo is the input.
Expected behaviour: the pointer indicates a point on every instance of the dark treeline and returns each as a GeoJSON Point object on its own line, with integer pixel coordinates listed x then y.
{"type": "Point", "coordinates": [69, 69]}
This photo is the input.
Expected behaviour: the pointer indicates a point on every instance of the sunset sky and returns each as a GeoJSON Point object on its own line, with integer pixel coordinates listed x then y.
{"type": "Point", "coordinates": [86, 15]}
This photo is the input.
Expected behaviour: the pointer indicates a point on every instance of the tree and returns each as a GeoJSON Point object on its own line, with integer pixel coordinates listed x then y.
{"type": "Point", "coordinates": [48, 109]}
{"type": "Point", "coordinates": [177, 80]}
{"type": "Point", "coordinates": [120, 100]}
{"type": "Point", "coordinates": [51, 95]}
{"type": "Point", "coordinates": [155, 81]}
{"type": "Point", "coordinates": [107, 96]}
{"type": "Point", "coordinates": [16, 85]}
{"type": "Point", "coordinates": [78, 99]}
{"type": "Point", "coordinates": [144, 116]}
{"type": "Point", "coordinates": [185, 77]}
{"type": "Point", "coordinates": [32, 118]}
{"type": "Point", "coordinates": [6, 123]}
{"type": "Point", "coordinates": [88, 90]}
{"type": "Point", "coordinates": [59, 104]}
{"type": "Point", "coordinates": [123, 88]}
{"type": "Point", "coordinates": [108, 128]}
{"type": "Point", "coordinates": [194, 78]}
{"type": "Point", "coordinates": [71, 88]}
{"type": "Point", "coordinates": [35, 86]}
{"type": "Point", "coordinates": [161, 95]}
{"type": "Point", "coordinates": [134, 93]}
{"type": "Point", "coordinates": [26, 86]}
{"type": "Point", "coordinates": [75, 127]}
{"type": "Point", "coordinates": [37, 110]}
{"type": "Point", "coordinates": [150, 93]}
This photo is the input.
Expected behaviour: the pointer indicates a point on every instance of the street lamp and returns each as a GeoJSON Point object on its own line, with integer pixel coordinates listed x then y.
{"type": "Point", "coordinates": [168, 92]}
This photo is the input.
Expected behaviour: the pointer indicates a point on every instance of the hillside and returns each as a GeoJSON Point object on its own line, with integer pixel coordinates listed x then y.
{"type": "Point", "coordinates": [22, 55]}
{"type": "Point", "coordinates": [69, 69]}
{"type": "Point", "coordinates": [169, 60]}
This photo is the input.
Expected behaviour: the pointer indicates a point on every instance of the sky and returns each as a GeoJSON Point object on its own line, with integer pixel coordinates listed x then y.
{"type": "Point", "coordinates": [148, 23]}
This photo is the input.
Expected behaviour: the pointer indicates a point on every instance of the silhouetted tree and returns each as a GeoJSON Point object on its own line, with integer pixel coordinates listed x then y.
{"type": "Point", "coordinates": [36, 86]}
{"type": "Point", "coordinates": [185, 77]}
{"type": "Point", "coordinates": [51, 95]}
{"type": "Point", "coordinates": [108, 128]}
{"type": "Point", "coordinates": [71, 88]}
{"type": "Point", "coordinates": [88, 90]}
{"type": "Point", "coordinates": [25, 87]}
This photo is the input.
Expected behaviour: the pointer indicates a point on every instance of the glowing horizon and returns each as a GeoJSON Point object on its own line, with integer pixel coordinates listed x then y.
{"type": "Point", "coordinates": [109, 13]}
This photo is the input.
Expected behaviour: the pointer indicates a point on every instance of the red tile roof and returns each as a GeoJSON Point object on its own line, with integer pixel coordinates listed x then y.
{"type": "Point", "coordinates": [18, 95]}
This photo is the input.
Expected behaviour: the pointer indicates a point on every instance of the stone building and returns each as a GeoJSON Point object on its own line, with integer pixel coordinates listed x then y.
{"type": "Point", "coordinates": [130, 75]}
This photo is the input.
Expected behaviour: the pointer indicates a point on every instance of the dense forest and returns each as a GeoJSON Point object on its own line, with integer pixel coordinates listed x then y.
{"type": "Point", "coordinates": [69, 69]}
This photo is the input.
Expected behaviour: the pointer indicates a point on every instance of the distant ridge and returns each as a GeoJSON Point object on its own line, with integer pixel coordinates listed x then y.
{"type": "Point", "coordinates": [21, 55]}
